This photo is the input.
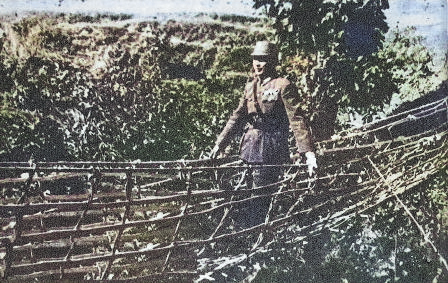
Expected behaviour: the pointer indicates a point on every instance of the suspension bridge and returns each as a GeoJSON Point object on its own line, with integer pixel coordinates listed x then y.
{"type": "Point", "coordinates": [177, 221]}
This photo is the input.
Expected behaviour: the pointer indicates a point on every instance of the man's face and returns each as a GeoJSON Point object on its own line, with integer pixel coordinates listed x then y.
{"type": "Point", "coordinates": [262, 65]}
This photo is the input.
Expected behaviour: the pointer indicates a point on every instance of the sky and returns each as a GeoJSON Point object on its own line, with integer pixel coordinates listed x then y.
{"type": "Point", "coordinates": [137, 7]}
{"type": "Point", "coordinates": [401, 12]}
{"type": "Point", "coordinates": [429, 16]}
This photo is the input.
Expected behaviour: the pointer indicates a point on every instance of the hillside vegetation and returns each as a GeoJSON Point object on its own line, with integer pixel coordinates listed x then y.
{"type": "Point", "coordinates": [107, 87]}
{"type": "Point", "coordinates": [104, 87]}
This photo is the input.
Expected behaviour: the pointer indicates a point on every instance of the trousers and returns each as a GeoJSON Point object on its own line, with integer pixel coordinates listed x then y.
{"type": "Point", "coordinates": [255, 211]}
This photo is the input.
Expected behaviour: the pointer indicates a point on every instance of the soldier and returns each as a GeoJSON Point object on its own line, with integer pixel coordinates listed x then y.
{"type": "Point", "coordinates": [269, 106]}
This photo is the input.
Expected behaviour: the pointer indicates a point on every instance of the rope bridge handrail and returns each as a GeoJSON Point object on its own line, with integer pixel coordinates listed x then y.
{"type": "Point", "coordinates": [172, 220]}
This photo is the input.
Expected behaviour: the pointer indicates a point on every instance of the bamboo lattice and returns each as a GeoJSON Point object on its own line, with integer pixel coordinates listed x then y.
{"type": "Point", "coordinates": [178, 220]}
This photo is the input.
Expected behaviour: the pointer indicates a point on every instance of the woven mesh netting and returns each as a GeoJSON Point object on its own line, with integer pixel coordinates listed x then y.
{"type": "Point", "coordinates": [181, 220]}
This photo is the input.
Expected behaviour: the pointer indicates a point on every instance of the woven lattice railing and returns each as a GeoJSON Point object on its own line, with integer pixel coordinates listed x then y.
{"type": "Point", "coordinates": [171, 221]}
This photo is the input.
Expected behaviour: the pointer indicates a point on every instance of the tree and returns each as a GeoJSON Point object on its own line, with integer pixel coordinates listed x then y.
{"type": "Point", "coordinates": [339, 41]}
{"type": "Point", "coordinates": [94, 92]}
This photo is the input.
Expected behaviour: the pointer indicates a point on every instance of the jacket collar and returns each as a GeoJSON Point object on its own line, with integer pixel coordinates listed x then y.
{"type": "Point", "coordinates": [265, 80]}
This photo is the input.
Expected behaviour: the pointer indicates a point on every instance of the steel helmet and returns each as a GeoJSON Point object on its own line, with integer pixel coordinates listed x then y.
{"type": "Point", "coordinates": [265, 48]}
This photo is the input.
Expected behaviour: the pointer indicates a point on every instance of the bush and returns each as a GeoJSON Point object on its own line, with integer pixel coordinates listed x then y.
{"type": "Point", "coordinates": [102, 93]}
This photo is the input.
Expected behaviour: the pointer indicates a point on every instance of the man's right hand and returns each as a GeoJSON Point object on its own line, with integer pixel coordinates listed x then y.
{"type": "Point", "coordinates": [311, 162]}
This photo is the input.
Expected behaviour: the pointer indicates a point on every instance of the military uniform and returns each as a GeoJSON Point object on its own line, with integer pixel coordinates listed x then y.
{"type": "Point", "coordinates": [268, 108]}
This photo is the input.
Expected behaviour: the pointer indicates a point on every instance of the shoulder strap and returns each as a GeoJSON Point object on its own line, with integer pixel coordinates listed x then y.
{"type": "Point", "coordinates": [254, 89]}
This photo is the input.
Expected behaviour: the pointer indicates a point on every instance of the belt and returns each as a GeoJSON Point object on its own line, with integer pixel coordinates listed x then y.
{"type": "Point", "coordinates": [267, 123]}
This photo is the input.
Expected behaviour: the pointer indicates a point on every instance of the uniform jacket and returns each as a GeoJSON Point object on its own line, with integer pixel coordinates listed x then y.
{"type": "Point", "coordinates": [268, 109]}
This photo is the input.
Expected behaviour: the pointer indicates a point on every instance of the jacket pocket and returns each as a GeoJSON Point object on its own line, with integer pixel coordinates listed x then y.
{"type": "Point", "coordinates": [251, 148]}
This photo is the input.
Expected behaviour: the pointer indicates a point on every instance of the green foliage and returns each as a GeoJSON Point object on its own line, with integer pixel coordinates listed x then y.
{"type": "Point", "coordinates": [95, 18]}
{"type": "Point", "coordinates": [339, 40]}
{"type": "Point", "coordinates": [182, 124]}
{"type": "Point", "coordinates": [11, 121]}
{"type": "Point", "coordinates": [94, 92]}
{"type": "Point", "coordinates": [238, 19]}
{"type": "Point", "coordinates": [337, 53]}
{"type": "Point", "coordinates": [350, 67]}
{"type": "Point", "coordinates": [102, 92]}
{"type": "Point", "coordinates": [319, 26]}
{"type": "Point", "coordinates": [409, 63]}
{"type": "Point", "coordinates": [237, 59]}
{"type": "Point", "coordinates": [381, 245]}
